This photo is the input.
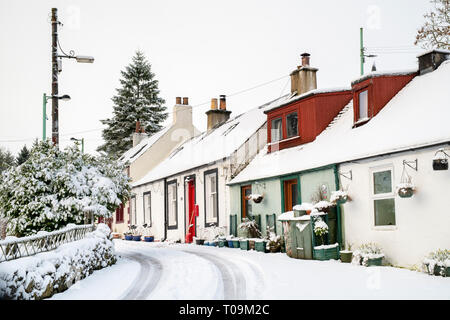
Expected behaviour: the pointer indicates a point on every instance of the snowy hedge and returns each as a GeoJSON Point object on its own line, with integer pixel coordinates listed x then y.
{"type": "Point", "coordinates": [54, 188]}
{"type": "Point", "coordinates": [42, 275]}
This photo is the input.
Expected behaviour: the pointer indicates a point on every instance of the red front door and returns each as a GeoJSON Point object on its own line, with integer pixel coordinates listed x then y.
{"type": "Point", "coordinates": [191, 211]}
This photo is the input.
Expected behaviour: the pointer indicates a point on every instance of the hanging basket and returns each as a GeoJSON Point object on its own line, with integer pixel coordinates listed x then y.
{"type": "Point", "coordinates": [406, 192]}
{"type": "Point", "coordinates": [440, 164]}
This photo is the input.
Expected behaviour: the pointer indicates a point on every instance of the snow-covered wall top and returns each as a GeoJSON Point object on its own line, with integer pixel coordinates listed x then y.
{"type": "Point", "coordinates": [392, 73]}
{"type": "Point", "coordinates": [211, 146]}
{"type": "Point", "coordinates": [417, 116]}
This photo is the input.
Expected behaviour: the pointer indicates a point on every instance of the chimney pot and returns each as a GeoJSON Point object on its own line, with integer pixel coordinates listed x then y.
{"type": "Point", "coordinates": [178, 100]}
{"type": "Point", "coordinates": [138, 126]}
{"type": "Point", "coordinates": [305, 59]}
{"type": "Point", "coordinates": [223, 102]}
{"type": "Point", "coordinates": [185, 101]}
{"type": "Point", "coordinates": [214, 104]}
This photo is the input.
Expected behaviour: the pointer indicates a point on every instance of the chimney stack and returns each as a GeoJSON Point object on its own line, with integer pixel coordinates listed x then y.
{"type": "Point", "coordinates": [182, 112]}
{"type": "Point", "coordinates": [303, 79]}
{"type": "Point", "coordinates": [431, 60]}
{"type": "Point", "coordinates": [139, 134]}
{"type": "Point", "coordinates": [216, 116]}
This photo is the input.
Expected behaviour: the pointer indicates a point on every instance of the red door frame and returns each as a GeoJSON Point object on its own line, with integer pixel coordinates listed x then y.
{"type": "Point", "coordinates": [192, 210]}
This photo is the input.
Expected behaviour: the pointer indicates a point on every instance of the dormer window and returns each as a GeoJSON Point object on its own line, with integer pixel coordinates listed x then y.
{"type": "Point", "coordinates": [276, 130]}
{"type": "Point", "coordinates": [292, 125]}
{"type": "Point", "coordinates": [363, 98]}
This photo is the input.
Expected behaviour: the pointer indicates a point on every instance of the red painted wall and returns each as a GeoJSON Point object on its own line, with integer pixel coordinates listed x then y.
{"type": "Point", "coordinates": [314, 114]}
{"type": "Point", "coordinates": [381, 91]}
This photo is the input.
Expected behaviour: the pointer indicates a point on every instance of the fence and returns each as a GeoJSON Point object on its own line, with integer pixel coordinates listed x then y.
{"type": "Point", "coordinates": [27, 246]}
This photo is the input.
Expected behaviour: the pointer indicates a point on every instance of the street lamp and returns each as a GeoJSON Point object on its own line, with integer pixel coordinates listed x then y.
{"type": "Point", "coordinates": [56, 69]}
{"type": "Point", "coordinates": [78, 140]}
{"type": "Point", "coordinates": [44, 111]}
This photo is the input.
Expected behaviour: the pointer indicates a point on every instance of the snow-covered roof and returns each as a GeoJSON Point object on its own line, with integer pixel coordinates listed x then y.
{"type": "Point", "coordinates": [211, 146]}
{"type": "Point", "coordinates": [392, 73]}
{"type": "Point", "coordinates": [416, 117]}
{"type": "Point", "coordinates": [135, 152]}
{"type": "Point", "coordinates": [293, 98]}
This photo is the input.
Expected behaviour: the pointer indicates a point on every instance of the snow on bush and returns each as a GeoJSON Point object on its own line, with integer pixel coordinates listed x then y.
{"type": "Point", "coordinates": [338, 196]}
{"type": "Point", "coordinates": [365, 252]}
{"type": "Point", "coordinates": [323, 205]}
{"type": "Point", "coordinates": [54, 188]}
{"type": "Point", "coordinates": [251, 228]}
{"type": "Point", "coordinates": [42, 275]}
{"type": "Point", "coordinates": [437, 262]}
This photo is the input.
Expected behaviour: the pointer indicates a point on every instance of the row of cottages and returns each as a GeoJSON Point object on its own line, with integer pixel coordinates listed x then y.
{"type": "Point", "coordinates": [186, 193]}
{"type": "Point", "coordinates": [384, 130]}
{"type": "Point", "coordinates": [147, 152]}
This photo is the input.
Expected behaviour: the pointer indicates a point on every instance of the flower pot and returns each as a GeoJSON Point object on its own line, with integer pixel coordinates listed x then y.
{"type": "Point", "coordinates": [299, 213]}
{"type": "Point", "coordinates": [251, 244]}
{"type": "Point", "coordinates": [405, 192]}
{"type": "Point", "coordinates": [127, 237]}
{"type": "Point", "coordinates": [199, 241]}
{"type": "Point", "coordinates": [244, 244]}
{"type": "Point", "coordinates": [374, 262]}
{"type": "Point", "coordinates": [326, 253]}
{"type": "Point", "coordinates": [230, 243]}
{"type": "Point", "coordinates": [149, 238]}
{"type": "Point", "coordinates": [341, 200]}
{"type": "Point", "coordinates": [236, 244]}
{"type": "Point", "coordinates": [440, 164]}
{"type": "Point", "coordinates": [136, 238]}
{"type": "Point", "coordinates": [260, 246]}
{"type": "Point", "coordinates": [346, 256]}
{"type": "Point", "coordinates": [274, 249]}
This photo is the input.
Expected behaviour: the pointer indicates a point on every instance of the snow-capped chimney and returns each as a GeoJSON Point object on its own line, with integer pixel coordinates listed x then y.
{"type": "Point", "coordinates": [217, 116]}
{"type": "Point", "coordinates": [303, 79]}
{"type": "Point", "coordinates": [182, 112]}
{"type": "Point", "coordinates": [139, 134]}
{"type": "Point", "coordinates": [431, 60]}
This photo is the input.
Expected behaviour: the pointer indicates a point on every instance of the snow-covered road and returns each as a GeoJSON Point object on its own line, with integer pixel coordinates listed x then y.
{"type": "Point", "coordinates": [163, 271]}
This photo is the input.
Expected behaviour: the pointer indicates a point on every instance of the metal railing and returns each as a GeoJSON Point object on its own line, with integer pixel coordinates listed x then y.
{"type": "Point", "coordinates": [11, 249]}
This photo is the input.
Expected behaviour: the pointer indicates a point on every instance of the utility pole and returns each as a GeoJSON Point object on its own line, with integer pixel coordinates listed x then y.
{"type": "Point", "coordinates": [361, 50]}
{"type": "Point", "coordinates": [55, 130]}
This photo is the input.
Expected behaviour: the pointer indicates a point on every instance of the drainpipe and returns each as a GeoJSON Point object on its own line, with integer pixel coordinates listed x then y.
{"type": "Point", "coordinates": [338, 207]}
{"type": "Point", "coordinates": [166, 222]}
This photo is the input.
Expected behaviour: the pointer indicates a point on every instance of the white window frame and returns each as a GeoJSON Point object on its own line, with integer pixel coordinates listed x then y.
{"type": "Point", "coordinates": [360, 118]}
{"type": "Point", "coordinates": [382, 196]}
{"type": "Point", "coordinates": [172, 205]}
{"type": "Point", "coordinates": [133, 209]}
{"type": "Point", "coordinates": [147, 207]}
{"type": "Point", "coordinates": [210, 209]}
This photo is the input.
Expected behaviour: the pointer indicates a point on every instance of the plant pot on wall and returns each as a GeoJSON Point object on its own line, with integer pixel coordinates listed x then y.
{"type": "Point", "coordinates": [136, 238]}
{"type": "Point", "coordinates": [440, 160]}
{"type": "Point", "coordinates": [406, 192]}
{"type": "Point", "coordinates": [149, 238]}
{"type": "Point", "coordinates": [128, 237]}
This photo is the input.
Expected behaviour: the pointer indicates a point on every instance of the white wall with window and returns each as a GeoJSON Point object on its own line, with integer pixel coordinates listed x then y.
{"type": "Point", "coordinates": [406, 228]}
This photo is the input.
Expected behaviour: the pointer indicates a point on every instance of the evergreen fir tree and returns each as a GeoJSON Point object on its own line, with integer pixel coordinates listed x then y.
{"type": "Point", "coordinates": [23, 155]}
{"type": "Point", "coordinates": [6, 160]}
{"type": "Point", "coordinates": [137, 99]}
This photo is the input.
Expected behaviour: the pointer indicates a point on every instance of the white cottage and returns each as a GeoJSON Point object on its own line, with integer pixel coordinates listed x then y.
{"type": "Point", "coordinates": [148, 151]}
{"type": "Point", "coordinates": [187, 192]}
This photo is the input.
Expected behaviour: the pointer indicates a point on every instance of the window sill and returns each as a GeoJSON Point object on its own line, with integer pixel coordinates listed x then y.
{"type": "Point", "coordinates": [281, 141]}
{"type": "Point", "coordinates": [384, 228]}
{"type": "Point", "coordinates": [360, 122]}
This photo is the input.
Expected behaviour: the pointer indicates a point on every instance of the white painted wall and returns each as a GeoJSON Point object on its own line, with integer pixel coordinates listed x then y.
{"type": "Point", "coordinates": [422, 221]}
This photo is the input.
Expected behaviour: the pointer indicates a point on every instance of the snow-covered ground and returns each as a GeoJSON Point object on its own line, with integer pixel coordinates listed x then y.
{"type": "Point", "coordinates": [180, 271]}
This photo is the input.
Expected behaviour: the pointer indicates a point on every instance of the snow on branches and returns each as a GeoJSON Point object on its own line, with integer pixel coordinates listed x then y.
{"type": "Point", "coordinates": [53, 188]}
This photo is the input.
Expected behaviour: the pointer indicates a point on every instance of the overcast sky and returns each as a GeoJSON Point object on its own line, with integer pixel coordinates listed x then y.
{"type": "Point", "coordinates": [197, 49]}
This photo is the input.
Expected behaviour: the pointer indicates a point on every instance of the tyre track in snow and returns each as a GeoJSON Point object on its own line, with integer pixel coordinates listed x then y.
{"type": "Point", "coordinates": [147, 279]}
{"type": "Point", "coordinates": [234, 283]}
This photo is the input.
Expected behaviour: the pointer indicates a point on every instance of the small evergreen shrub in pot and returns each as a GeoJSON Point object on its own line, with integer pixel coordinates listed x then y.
{"type": "Point", "coordinates": [438, 263]}
{"type": "Point", "coordinates": [368, 254]}
{"type": "Point", "coordinates": [346, 255]}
